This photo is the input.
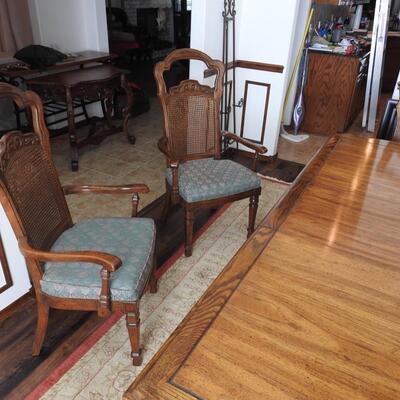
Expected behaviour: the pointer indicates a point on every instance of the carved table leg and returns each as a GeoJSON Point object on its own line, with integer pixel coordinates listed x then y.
{"type": "Point", "coordinates": [109, 108]}
{"type": "Point", "coordinates": [126, 114]}
{"type": "Point", "coordinates": [72, 132]}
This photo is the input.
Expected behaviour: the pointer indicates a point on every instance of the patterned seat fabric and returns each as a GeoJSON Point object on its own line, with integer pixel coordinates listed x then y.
{"type": "Point", "coordinates": [207, 179]}
{"type": "Point", "coordinates": [130, 239]}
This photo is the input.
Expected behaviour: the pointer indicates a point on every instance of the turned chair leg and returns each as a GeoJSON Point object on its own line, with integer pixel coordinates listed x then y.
{"type": "Point", "coordinates": [188, 232]}
{"type": "Point", "coordinates": [153, 283]}
{"type": "Point", "coordinates": [167, 203]}
{"type": "Point", "coordinates": [253, 206]}
{"type": "Point", "coordinates": [133, 326]}
{"type": "Point", "coordinates": [41, 327]}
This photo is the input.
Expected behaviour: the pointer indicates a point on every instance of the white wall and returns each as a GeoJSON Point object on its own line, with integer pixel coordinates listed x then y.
{"type": "Point", "coordinates": [70, 25]}
{"type": "Point", "coordinates": [16, 262]}
{"type": "Point", "coordinates": [206, 32]}
{"type": "Point", "coordinates": [301, 21]}
{"type": "Point", "coordinates": [265, 32]}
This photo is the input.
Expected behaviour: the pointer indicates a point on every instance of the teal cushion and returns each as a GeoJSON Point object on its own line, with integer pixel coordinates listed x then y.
{"type": "Point", "coordinates": [130, 239]}
{"type": "Point", "coordinates": [207, 179]}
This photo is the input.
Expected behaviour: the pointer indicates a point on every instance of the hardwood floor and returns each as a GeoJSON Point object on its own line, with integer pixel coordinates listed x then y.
{"type": "Point", "coordinates": [68, 329]}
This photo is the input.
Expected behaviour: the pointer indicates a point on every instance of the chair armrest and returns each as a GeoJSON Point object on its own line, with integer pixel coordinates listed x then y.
{"type": "Point", "coordinates": [174, 165]}
{"type": "Point", "coordinates": [105, 189]}
{"type": "Point", "coordinates": [256, 147]}
{"type": "Point", "coordinates": [108, 261]}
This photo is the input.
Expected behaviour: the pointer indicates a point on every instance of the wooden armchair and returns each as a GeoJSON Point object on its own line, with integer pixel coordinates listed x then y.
{"type": "Point", "coordinates": [196, 176]}
{"type": "Point", "coordinates": [101, 264]}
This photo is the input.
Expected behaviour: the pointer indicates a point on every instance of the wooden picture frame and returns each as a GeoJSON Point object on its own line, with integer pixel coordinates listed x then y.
{"type": "Point", "coordinates": [5, 269]}
{"type": "Point", "coordinates": [266, 105]}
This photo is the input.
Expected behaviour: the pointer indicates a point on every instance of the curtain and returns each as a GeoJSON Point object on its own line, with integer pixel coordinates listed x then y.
{"type": "Point", "coordinates": [15, 25]}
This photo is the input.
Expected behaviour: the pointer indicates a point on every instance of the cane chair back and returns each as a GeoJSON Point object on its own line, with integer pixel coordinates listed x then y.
{"type": "Point", "coordinates": [191, 110]}
{"type": "Point", "coordinates": [29, 178]}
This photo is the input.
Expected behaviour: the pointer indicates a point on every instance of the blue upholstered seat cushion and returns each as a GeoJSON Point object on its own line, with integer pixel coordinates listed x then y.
{"type": "Point", "coordinates": [207, 179]}
{"type": "Point", "coordinates": [130, 239]}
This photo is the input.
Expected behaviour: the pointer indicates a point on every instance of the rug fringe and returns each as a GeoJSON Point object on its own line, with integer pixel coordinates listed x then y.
{"type": "Point", "coordinates": [270, 178]}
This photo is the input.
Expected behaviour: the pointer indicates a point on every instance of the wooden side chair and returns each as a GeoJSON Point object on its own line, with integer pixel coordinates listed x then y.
{"type": "Point", "coordinates": [197, 176]}
{"type": "Point", "coordinates": [100, 264]}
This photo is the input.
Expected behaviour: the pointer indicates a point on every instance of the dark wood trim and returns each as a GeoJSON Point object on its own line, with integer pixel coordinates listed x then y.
{"type": "Point", "coordinates": [166, 363]}
{"type": "Point", "coordinates": [259, 66]}
{"type": "Point", "coordinates": [246, 87]}
{"type": "Point", "coordinates": [249, 154]}
{"type": "Point", "coordinates": [5, 268]}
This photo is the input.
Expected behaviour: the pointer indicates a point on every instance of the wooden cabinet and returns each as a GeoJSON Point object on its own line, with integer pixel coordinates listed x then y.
{"type": "Point", "coordinates": [334, 94]}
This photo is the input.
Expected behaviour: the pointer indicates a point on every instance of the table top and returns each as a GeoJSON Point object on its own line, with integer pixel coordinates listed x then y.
{"type": "Point", "coordinates": [309, 306]}
{"type": "Point", "coordinates": [77, 76]}
{"type": "Point", "coordinates": [81, 58]}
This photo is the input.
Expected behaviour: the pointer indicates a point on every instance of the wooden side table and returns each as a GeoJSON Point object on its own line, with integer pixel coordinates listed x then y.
{"type": "Point", "coordinates": [95, 83]}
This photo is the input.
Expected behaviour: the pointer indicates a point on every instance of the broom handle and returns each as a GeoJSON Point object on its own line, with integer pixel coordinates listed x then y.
{"type": "Point", "coordinates": [311, 13]}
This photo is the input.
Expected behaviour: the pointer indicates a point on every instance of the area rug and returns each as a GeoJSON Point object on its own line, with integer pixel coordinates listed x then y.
{"type": "Point", "coordinates": [101, 369]}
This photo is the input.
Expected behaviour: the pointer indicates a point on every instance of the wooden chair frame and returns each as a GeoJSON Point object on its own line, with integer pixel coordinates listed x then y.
{"type": "Point", "coordinates": [35, 257]}
{"type": "Point", "coordinates": [173, 161]}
